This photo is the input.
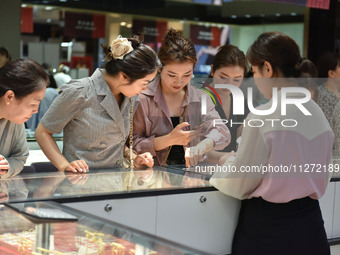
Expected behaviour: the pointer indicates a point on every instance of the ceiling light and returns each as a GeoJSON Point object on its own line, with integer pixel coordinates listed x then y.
{"type": "Point", "coordinates": [247, 16]}
{"type": "Point", "coordinates": [233, 16]}
{"type": "Point", "coordinates": [293, 14]}
{"type": "Point", "coordinates": [66, 44]}
{"type": "Point", "coordinates": [277, 14]}
{"type": "Point", "coordinates": [48, 8]}
{"type": "Point", "coordinates": [123, 23]}
{"type": "Point", "coordinates": [129, 25]}
{"type": "Point", "coordinates": [48, 20]}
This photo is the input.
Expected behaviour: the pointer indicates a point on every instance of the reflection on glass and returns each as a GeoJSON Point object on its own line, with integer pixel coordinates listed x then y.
{"type": "Point", "coordinates": [60, 185]}
{"type": "Point", "coordinates": [86, 236]}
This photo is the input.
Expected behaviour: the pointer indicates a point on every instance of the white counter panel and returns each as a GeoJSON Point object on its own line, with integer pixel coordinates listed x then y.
{"type": "Point", "coordinates": [204, 220]}
{"type": "Point", "coordinates": [138, 213]}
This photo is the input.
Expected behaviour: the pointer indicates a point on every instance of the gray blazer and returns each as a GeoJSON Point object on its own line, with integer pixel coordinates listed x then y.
{"type": "Point", "coordinates": [13, 146]}
{"type": "Point", "coordinates": [95, 128]}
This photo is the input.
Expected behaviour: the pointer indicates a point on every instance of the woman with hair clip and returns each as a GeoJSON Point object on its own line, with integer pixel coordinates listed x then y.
{"type": "Point", "coordinates": [280, 212]}
{"type": "Point", "coordinates": [170, 108]}
{"type": "Point", "coordinates": [96, 112]}
{"type": "Point", "coordinates": [22, 87]}
{"type": "Point", "coordinates": [229, 67]}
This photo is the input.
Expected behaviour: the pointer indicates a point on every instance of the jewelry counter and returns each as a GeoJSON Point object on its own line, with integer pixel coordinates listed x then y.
{"type": "Point", "coordinates": [329, 203]}
{"type": "Point", "coordinates": [50, 228]}
{"type": "Point", "coordinates": [172, 204]}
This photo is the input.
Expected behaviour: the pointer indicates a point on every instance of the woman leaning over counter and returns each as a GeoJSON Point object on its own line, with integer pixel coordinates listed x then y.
{"type": "Point", "coordinates": [22, 87]}
{"type": "Point", "coordinates": [94, 112]}
{"type": "Point", "coordinates": [229, 67]}
{"type": "Point", "coordinates": [280, 212]}
{"type": "Point", "coordinates": [170, 108]}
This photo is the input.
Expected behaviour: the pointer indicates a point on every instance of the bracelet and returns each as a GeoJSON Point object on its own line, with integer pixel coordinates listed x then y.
{"type": "Point", "coordinates": [126, 154]}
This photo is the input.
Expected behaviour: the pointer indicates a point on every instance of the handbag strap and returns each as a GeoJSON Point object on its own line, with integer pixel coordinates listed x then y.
{"type": "Point", "coordinates": [180, 121]}
{"type": "Point", "coordinates": [131, 133]}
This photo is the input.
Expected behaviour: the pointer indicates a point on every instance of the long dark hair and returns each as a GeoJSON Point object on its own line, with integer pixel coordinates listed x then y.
{"type": "Point", "coordinates": [23, 77]}
{"type": "Point", "coordinates": [280, 51]}
{"type": "Point", "coordinates": [137, 64]}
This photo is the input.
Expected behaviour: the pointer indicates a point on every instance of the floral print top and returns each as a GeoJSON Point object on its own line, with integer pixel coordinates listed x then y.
{"type": "Point", "coordinates": [327, 101]}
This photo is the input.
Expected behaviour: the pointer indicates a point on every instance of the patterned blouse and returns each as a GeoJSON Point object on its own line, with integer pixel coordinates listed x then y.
{"type": "Point", "coordinates": [327, 101]}
{"type": "Point", "coordinates": [336, 129]}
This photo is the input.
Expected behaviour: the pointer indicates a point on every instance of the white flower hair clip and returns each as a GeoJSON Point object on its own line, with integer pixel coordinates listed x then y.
{"type": "Point", "coordinates": [120, 47]}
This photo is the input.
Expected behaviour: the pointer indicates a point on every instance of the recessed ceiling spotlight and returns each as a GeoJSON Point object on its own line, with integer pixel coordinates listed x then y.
{"type": "Point", "coordinates": [48, 20]}
{"type": "Point", "coordinates": [63, 1]}
{"type": "Point", "coordinates": [293, 14]}
{"type": "Point", "coordinates": [129, 25]}
{"type": "Point", "coordinates": [233, 16]}
{"type": "Point", "coordinates": [123, 23]}
{"type": "Point", "coordinates": [66, 44]}
{"type": "Point", "coordinates": [48, 8]}
{"type": "Point", "coordinates": [24, 5]}
{"type": "Point", "coordinates": [247, 16]}
{"type": "Point", "coordinates": [277, 14]}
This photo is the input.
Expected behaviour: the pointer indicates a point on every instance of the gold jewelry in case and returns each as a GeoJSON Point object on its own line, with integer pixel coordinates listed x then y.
{"type": "Point", "coordinates": [91, 243]}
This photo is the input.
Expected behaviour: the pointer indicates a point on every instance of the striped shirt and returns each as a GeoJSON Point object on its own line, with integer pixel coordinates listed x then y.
{"type": "Point", "coordinates": [95, 127]}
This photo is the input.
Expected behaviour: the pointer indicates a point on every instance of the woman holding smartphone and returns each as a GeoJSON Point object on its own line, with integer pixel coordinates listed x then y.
{"type": "Point", "coordinates": [169, 122]}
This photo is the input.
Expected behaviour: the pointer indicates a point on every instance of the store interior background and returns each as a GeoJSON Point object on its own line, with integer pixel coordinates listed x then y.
{"type": "Point", "coordinates": [71, 31]}
{"type": "Point", "coordinates": [316, 30]}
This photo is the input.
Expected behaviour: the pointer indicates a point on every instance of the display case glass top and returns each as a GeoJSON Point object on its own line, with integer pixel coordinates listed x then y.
{"type": "Point", "coordinates": [100, 184]}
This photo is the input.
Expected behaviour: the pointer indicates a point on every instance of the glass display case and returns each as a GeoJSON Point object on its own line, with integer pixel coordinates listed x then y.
{"type": "Point", "coordinates": [176, 205]}
{"type": "Point", "coordinates": [50, 228]}
{"type": "Point", "coordinates": [110, 183]}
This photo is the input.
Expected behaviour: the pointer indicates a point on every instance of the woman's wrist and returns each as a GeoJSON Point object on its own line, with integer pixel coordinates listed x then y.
{"type": "Point", "coordinates": [127, 154]}
{"type": "Point", "coordinates": [162, 142]}
{"type": "Point", "coordinates": [63, 166]}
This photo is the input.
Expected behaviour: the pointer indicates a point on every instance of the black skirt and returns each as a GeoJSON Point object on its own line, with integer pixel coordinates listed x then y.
{"type": "Point", "coordinates": [293, 228]}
